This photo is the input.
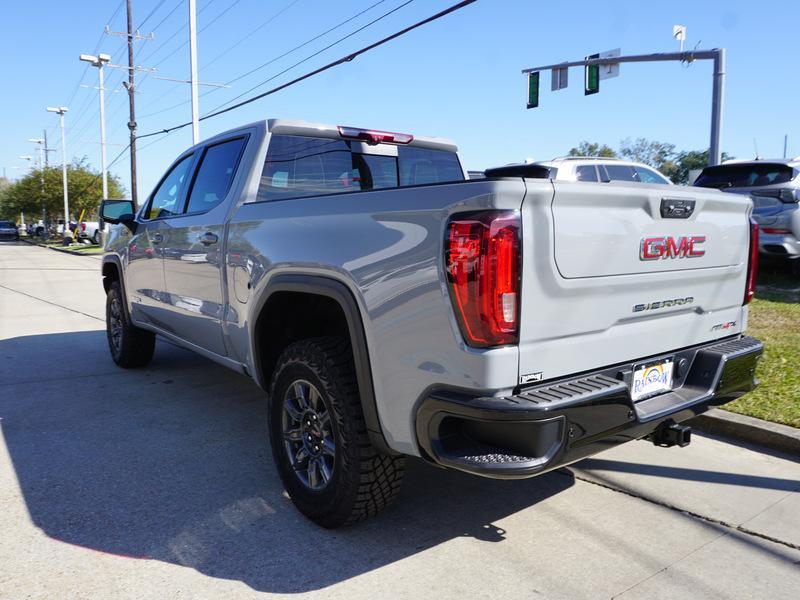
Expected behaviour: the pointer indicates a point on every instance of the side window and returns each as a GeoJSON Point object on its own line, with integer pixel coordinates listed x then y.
{"type": "Point", "coordinates": [586, 173]}
{"type": "Point", "coordinates": [214, 175]}
{"type": "Point", "coordinates": [648, 176]}
{"type": "Point", "coordinates": [166, 198]}
{"type": "Point", "coordinates": [619, 172]}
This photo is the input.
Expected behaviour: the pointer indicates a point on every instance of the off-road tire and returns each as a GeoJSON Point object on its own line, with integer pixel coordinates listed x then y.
{"type": "Point", "coordinates": [364, 480]}
{"type": "Point", "coordinates": [133, 347]}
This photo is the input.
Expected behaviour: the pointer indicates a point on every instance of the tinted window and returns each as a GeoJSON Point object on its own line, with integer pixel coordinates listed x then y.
{"type": "Point", "coordinates": [166, 198]}
{"type": "Point", "coordinates": [303, 166]}
{"type": "Point", "coordinates": [619, 173]}
{"type": "Point", "coordinates": [7, 224]}
{"type": "Point", "coordinates": [649, 176]}
{"type": "Point", "coordinates": [586, 173]}
{"type": "Point", "coordinates": [745, 175]}
{"type": "Point", "coordinates": [298, 166]}
{"type": "Point", "coordinates": [214, 175]}
{"type": "Point", "coordinates": [419, 166]}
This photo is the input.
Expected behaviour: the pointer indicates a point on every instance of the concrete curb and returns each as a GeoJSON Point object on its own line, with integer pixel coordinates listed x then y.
{"type": "Point", "coordinates": [749, 429]}
{"type": "Point", "coordinates": [57, 249]}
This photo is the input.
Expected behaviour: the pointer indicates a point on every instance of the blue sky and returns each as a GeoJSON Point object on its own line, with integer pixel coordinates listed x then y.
{"type": "Point", "coordinates": [459, 77]}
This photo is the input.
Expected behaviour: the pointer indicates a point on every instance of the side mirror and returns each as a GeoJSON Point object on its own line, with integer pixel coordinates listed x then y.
{"type": "Point", "coordinates": [118, 211]}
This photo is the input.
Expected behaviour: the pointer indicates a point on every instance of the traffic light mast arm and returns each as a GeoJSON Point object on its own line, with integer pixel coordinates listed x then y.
{"type": "Point", "coordinates": [717, 96]}
{"type": "Point", "coordinates": [688, 56]}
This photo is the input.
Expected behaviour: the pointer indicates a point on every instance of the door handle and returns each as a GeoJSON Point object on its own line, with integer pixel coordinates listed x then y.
{"type": "Point", "coordinates": [208, 238]}
{"type": "Point", "coordinates": [157, 238]}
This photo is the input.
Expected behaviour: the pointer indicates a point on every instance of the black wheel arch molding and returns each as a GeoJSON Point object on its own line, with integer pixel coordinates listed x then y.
{"type": "Point", "coordinates": [116, 261]}
{"type": "Point", "coordinates": [340, 293]}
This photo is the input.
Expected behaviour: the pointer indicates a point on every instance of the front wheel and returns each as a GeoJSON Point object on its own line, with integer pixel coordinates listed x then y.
{"type": "Point", "coordinates": [130, 346]}
{"type": "Point", "coordinates": [96, 238]}
{"type": "Point", "coordinates": [319, 439]}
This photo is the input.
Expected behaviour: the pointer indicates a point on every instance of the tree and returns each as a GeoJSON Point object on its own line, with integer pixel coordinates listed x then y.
{"type": "Point", "coordinates": [83, 184]}
{"type": "Point", "coordinates": [688, 161]}
{"type": "Point", "coordinates": [592, 149]}
{"type": "Point", "coordinates": [658, 155]}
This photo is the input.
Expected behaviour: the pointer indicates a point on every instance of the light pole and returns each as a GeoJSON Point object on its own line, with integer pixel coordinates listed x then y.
{"type": "Point", "coordinates": [98, 61]}
{"type": "Point", "coordinates": [40, 143]}
{"type": "Point", "coordinates": [61, 111]}
{"type": "Point", "coordinates": [193, 71]}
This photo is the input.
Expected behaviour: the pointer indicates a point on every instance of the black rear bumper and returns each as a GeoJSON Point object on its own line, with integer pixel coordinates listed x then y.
{"type": "Point", "coordinates": [553, 424]}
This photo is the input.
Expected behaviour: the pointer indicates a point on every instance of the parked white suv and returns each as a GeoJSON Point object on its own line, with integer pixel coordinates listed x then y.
{"type": "Point", "coordinates": [601, 169]}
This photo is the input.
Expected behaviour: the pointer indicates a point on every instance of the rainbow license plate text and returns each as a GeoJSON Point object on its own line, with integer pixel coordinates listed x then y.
{"type": "Point", "coordinates": [651, 379]}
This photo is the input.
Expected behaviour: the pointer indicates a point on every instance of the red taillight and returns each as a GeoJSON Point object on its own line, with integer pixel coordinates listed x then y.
{"type": "Point", "coordinates": [752, 263]}
{"type": "Point", "coordinates": [775, 230]}
{"type": "Point", "coordinates": [83, 226]}
{"type": "Point", "coordinates": [372, 136]}
{"type": "Point", "coordinates": [482, 258]}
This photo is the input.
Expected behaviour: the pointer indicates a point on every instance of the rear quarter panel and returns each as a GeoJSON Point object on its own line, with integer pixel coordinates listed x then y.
{"type": "Point", "coordinates": [386, 247]}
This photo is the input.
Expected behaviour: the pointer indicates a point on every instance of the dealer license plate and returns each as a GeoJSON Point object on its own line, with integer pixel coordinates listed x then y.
{"type": "Point", "coordinates": [651, 378]}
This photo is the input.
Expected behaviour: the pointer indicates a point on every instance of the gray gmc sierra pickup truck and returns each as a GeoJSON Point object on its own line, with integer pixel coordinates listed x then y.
{"type": "Point", "coordinates": [391, 307]}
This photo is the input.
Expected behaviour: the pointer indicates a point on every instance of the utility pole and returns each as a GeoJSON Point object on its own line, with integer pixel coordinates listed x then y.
{"type": "Point", "coordinates": [61, 111]}
{"type": "Point", "coordinates": [717, 55]}
{"type": "Point", "coordinates": [193, 70]}
{"type": "Point", "coordinates": [40, 143]}
{"type": "Point", "coordinates": [98, 61]}
{"type": "Point", "coordinates": [46, 149]}
{"type": "Point", "coordinates": [132, 105]}
{"type": "Point", "coordinates": [132, 36]}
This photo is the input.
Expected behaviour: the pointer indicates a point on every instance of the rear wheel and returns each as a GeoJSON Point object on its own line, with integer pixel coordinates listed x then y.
{"type": "Point", "coordinates": [130, 346]}
{"type": "Point", "coordinates": [319, 439]}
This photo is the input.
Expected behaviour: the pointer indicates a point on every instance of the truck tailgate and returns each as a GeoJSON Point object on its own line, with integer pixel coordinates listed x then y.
{"type": "Point", "coordinates": [592, 297]}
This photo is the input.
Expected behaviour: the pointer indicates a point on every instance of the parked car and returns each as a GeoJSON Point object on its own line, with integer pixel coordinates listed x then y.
{"type": "Point", "coordinates": [89, 230]}
{"type": "Point", "coordinates": [599, 169]}
{"type": "Point", "coordinates": [774, 186]}
{"type": "Point", "coordinates": [390, 307]}
{"type": "Point", "coordinates": [9, 231]}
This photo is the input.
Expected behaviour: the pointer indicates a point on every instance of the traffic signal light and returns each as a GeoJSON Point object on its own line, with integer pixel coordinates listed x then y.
{"type": "Point", "coordinates": [591, 77]}
{"type": "Point", "coordinates": [533, 89]}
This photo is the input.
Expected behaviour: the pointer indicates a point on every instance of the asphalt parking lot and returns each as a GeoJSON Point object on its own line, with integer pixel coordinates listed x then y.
{"type": "Point", "coordinates": [158, 483]}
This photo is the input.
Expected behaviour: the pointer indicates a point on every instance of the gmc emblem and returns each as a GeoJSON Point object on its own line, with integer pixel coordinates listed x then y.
{"type": "Point", "coordinates": [664, 246]}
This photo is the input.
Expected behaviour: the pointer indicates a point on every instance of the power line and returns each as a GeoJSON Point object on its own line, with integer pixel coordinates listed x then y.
{"type": "Point", "coordinates": [254, 31]}
{"type": "Point", "coordinates": [96, 48]}
{"type": "Point", "coordinates": [348, 58]}
{"type": "Point", "coordinates": [263, 65]}
{"type": "Point", "coordinates": [150, 14]}
{"type": "Point", "coordinates": [168, 15]}
{"type": "Point", "coordinates": [317, 53]}
{"type": "Point", "coordinates": [171, 37]}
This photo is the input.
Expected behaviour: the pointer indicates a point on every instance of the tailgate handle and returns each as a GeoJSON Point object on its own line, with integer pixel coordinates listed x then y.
{"type": "Point", "coordinates": [676, 208]}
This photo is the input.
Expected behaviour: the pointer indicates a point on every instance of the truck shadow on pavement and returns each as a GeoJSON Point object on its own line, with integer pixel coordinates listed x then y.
{"type": "Point", "coordinates": [172, 463]}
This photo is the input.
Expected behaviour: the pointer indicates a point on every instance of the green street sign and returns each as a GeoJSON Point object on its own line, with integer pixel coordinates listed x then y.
{"type": "Point", "coordinates": [533, 89]}
{"type": "Point", "coordinates": [591, 77]}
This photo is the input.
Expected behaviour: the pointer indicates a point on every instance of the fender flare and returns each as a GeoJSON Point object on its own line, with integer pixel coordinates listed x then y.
{"type": "Point", "coordinates": [341, 294]}
{"type": "Point", "coordinates": [117, 262]}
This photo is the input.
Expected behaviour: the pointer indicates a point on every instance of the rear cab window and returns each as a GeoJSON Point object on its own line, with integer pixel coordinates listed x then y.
{"type": "Point", "coordinates": [745, 175]}
{"type": "Point", "coordinates": [301, 166]}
